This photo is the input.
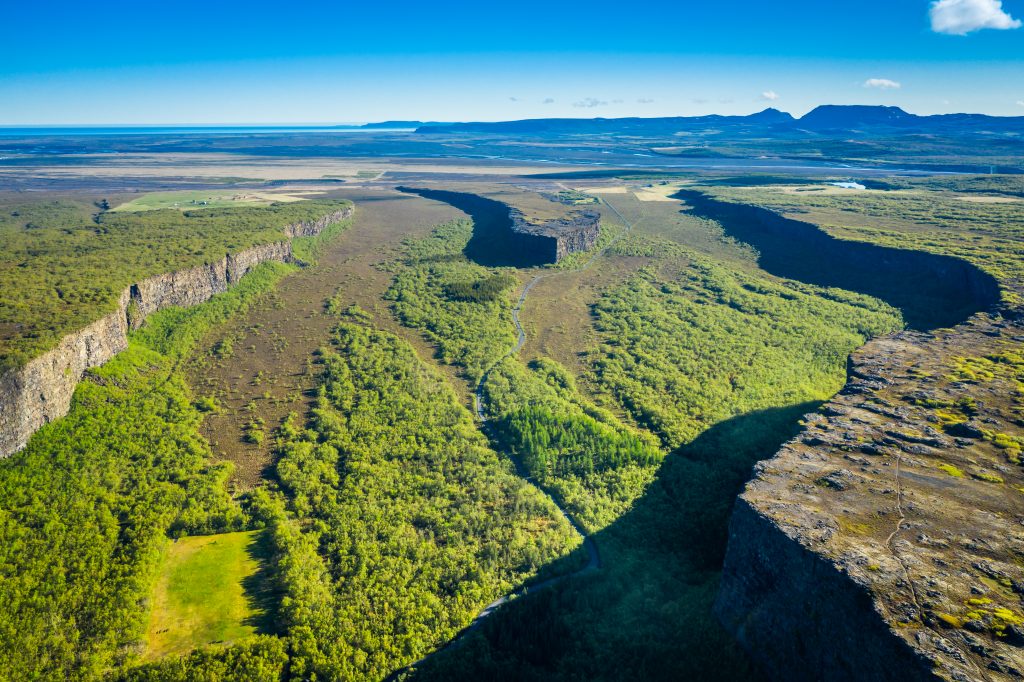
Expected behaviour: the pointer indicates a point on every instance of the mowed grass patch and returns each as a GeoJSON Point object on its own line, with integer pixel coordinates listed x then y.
{"type": "Point", "coordinates": [193, 199]}
{"type": "Point", "coordinates": [205, 594]}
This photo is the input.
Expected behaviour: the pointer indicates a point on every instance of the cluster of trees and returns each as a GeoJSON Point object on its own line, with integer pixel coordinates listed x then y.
{"type": "Point", "coordinates": [720, 364]}
{"type": "Point", "coordinates": [62, 265]}
{"type": "Point", "coordinates": [469, 331]}
{"type": "Point", "coordinates": [398, 523]}
{"type": "Point", "coordinates": [260, 659]}
{"type": "Point", "coordinates": [583, 455]}
{"type": "Point", "coordinates": [646, 615]}
{"type": "Point", "coordinates": [579, 452]}
{"type": "Point", "coordinates": [553, 444]}
{"type": "Point", "coordinates": [489, 288]}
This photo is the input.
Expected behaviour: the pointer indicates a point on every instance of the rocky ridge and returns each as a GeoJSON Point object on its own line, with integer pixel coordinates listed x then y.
{"type": "Point", "coordinates": [41, 391]}
{"type": "Point", "coordinates": [886, 541]}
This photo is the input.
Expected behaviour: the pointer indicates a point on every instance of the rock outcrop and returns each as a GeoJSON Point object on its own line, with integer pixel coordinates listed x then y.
{"type": "Point", "coordinates": [41, 390]}
{"type": "Point", "coordinates": [505, 236]}
{"type": "Point", "coordinates": [886, 541]}
{"type": "Point", "coordinates": [556, 239]}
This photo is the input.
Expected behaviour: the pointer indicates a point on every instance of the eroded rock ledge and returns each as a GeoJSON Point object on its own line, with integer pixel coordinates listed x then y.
{"type": "Point", "coordinates": [886, 541]}
{"type": "Point", "coordinates": [41, 390]}
{"type": "Point", "coordinates": [556, 239]}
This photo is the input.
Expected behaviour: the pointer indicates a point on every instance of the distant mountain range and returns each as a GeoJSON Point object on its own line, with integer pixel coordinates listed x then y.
{"type": "Point", "coordinates": [827, 120]}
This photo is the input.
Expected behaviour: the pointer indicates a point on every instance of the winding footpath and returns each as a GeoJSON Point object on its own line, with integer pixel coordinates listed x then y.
{"type": "Point", "coordinates": [593, 556]}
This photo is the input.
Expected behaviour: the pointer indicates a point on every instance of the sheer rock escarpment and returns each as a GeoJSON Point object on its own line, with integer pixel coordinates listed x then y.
{"type": "Point", "coordinates": [886, 541]}
{"type": "Point", "coordinates": [41, 390]}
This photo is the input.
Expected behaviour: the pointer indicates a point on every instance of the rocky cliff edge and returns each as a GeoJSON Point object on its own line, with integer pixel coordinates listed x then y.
{"type": "Point", "coordinates": [886, 541]}
{"type": "Point", "coordinates": [41, 390]}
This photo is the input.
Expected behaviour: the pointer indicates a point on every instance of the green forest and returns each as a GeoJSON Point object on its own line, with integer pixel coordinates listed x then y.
{"type": "Point", "coordinates": [592, 463]}
{"type": "Point", "coordinates": [714, 366]}
{"type": "Point", "coordinates": [470, 332]}
{"type": "Point", "coordinates": [399, 523]}
{"type": "Point", "coordinates": [681, 354]}
{"type": "Point", "coordinates": [64, 263]}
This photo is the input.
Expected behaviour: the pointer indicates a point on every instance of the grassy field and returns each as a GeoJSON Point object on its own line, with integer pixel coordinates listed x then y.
{"type": "Point", "coordinates": [193, 199]}
{"type": "Point", "coordinates": [201, 595]}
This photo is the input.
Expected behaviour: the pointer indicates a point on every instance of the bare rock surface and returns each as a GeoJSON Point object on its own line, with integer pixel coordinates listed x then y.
{"type": "Point", "coordinates": [886, 541]}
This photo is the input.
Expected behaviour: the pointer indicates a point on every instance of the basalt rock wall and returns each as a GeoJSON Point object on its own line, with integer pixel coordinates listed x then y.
{"type": "Point", "coordinates": [41, 390]}
{"type": "Point", "coordinates": [556, 239]}
{"type": "Point", "coordinates": [189, 287]}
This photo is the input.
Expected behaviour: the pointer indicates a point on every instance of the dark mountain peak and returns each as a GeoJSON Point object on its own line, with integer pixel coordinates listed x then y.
{"type": "Point", "coordinates": [855, 115]}
{"type": "Point", "coordinates": [771, 115]}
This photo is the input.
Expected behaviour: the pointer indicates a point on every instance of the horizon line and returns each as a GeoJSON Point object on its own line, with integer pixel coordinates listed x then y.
{"type": "Point", "coordinates": [307, 124]}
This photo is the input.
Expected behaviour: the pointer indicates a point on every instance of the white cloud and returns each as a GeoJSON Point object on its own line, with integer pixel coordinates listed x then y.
{"type": "Point", "coordinates": [589, 103]}
{"type": "Point", "coordinates": [645, 100]}
{"type": "Point", "coordinates": [882, 84]}
{"type": "Point", "coordinates": [769, 95]}
{"type": "Point", "coordinates": [1020, 102]}
{"type": "Point", "coordinates": [960, 17]}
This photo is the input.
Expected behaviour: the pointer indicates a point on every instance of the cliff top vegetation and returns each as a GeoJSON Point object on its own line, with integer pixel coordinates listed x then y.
{"type": "Point", "coordinates": [64, 262]}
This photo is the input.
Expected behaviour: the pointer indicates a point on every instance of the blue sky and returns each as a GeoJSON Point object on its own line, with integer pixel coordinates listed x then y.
{"type": "Point", "coordinates": [224, 62]}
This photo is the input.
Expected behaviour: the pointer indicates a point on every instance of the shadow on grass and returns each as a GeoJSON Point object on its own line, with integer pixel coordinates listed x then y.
{"type": "Point", "coordinates": [261, 589]}
{"type": "Point", "coordinates": [494, 243]}
{"type": "Point", "coordinates": [646, 615]}
{"type": "Point", "coordinates": [931, 290]}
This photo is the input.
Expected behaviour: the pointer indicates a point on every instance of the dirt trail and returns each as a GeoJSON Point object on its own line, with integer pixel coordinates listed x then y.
{"type": "Point", "coordinates": [267, 374]}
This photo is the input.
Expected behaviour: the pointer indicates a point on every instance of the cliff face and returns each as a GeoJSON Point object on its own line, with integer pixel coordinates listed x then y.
{"type": "Point", "coordinates": [799, 616]}
{"type": "Point", "coordinates": [41, 391]}
{"type": "Point", "coordinates": [932, 290]}
{"type": "Point", "coordinates": [186, 288]}
{"type": "Point", "coordinates": [556, 239]}
{"type": "Point", "coordinates": [886, 541]}
{"type": "Point", "coordinates": [311, 228]}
